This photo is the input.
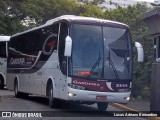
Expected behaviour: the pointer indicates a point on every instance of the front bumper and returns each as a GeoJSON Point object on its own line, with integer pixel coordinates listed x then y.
{"type": "Point", "coordinates": [91, 96]}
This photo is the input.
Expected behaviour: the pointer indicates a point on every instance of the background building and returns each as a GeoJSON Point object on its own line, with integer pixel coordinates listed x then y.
{"type": "Point", "coordinates": [113, 4]}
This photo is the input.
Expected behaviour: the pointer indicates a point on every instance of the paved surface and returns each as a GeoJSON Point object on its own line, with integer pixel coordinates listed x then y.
{"type": "Point", "coordinates": [6, 93]}
{"type": "Point", "coordinates": [134, 104]}
{"type": "Point", "coordinates": [10, 103]}
{"type": "Point", "coordinates": [139, 105]}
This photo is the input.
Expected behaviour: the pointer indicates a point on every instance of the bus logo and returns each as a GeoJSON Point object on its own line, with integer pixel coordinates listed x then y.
{"type": "Point", "coordinates": [86, 83]}
{"type": "Point", "coordinates": [17, 61]}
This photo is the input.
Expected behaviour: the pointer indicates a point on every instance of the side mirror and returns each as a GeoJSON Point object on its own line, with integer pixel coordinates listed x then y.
{"type": "Point", "coordinates": [68, 46]}
{"type": "Point", "coordinates": [140, 52]}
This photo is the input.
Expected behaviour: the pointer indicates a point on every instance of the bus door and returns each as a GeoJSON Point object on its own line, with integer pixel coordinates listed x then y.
{"type": "Point", "coordinates": [63, 59]}
{"type": "Point", "coordinates": [49, 51]}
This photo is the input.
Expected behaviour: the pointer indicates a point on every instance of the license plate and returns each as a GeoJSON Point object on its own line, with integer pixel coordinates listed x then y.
{"type": "Point", "coordinates": [100, 97]}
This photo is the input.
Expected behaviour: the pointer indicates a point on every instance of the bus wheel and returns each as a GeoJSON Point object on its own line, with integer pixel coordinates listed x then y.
{"type": "Point", "coordinates": [1, 83]}
{"type": "Point", "coordinates": [53, 102]}
{"type": "Point", "coordinates": [102, 106]}
{"type": "Point", "coordinates": [17, 93]}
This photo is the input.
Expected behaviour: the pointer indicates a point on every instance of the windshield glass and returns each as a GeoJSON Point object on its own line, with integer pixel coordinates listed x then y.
{"type": "Point", "coordinates": [117, 53]}
{"type": "Point", "coordinates": [100, 52]}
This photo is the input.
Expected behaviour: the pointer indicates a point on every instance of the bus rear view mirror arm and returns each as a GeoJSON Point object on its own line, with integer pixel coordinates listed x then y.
{"type": "Point", "coordinates": [68, 46]}
{"type": "Point", "coordinates": [140, 51]}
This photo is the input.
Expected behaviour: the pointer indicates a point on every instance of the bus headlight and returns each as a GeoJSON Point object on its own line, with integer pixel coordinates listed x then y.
{"type": "Point", "coordinates": [71, 94]}
{"type": "Point", "coordinates": [127, 98]}
{"type": "Point", "coordinates": [76, 86]}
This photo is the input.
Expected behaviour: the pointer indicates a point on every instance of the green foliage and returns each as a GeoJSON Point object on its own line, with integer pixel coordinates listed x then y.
{"type": "Point", "coordinates": [10, 17]}
{"type": "Point", "coordinates": [43, 10]}
{"type": "Point", "coordinates": [91, 11]}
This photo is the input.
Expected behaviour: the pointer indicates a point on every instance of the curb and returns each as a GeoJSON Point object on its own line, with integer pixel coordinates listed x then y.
{"type": "Point", "coordinates": [125, 108]}
{"type": "Point", "coordinates": [122, 107]}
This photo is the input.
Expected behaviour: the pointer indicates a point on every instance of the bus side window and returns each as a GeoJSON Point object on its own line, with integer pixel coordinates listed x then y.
{"type": "Point", "coordinates": [3, 49]}
{"type": "Point", "coordinates": [50, 38]}
{"type": "Point", "coordinates": [62, 58]}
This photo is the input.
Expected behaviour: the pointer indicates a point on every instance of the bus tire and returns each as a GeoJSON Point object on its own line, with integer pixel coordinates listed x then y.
{"type": "Point", "coordinates": [102, 106]}
{"type": "Point", "coordinates": [1, 82]}
{"type": "Point", "coordinates": [16, 93]}
{"type": "Point", "coordinates": [53, 102]}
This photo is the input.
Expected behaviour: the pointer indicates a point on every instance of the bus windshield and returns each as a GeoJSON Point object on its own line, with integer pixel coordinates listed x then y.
{"type": "Point", "coordinates": [100, 52]}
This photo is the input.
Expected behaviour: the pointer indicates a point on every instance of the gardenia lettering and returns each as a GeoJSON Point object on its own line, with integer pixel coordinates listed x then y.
{"type": "Point", "coordinates": [17, 61]}
{"type": "Point", "coordinates": [86, 83]}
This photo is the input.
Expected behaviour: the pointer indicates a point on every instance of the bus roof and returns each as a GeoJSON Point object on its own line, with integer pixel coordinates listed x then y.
{"type": "Point", "coordinates": [74, 18]}
{"type": "Point", "coordinates": [82, 18]}
{"type": "Point", "coordinates": [4, 38]}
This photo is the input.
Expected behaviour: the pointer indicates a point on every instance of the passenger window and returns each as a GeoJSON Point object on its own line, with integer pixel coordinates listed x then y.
{"type": "Point", "coordinates": [3, 49]}
{"type": "Point", "coordinates": [50, 38]}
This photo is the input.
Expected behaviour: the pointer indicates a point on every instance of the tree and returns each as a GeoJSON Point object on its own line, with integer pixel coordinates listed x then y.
{"type": "Point", "coordinates": [43, 10]}
{"type": "Point", "coordinates": [17, 15]}
{"type": "Point", "coordinates": [10, 17]}
{"type": "Point", "coordinates": [91, 11]}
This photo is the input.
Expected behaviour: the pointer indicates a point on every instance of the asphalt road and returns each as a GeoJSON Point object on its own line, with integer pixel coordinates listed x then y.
{"type": "Point", "coordinates": [67, 111]}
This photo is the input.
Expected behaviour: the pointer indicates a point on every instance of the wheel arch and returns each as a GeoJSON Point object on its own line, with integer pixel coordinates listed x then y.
{"type": "Point", "coordinates": [3, 82]}
{"type": "Point", "coordinates": [3, 76]}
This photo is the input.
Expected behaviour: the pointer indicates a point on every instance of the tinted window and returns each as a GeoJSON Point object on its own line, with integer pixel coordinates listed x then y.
{"type": "Point", "coordinates": [2, 49]}
{"type": "Point", "coordinates": [49, 39]}
{"type": "Point", "coordinates": [44, 39]}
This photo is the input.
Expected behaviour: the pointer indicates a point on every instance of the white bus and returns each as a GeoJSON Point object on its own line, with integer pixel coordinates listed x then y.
{"type": "Point", "coordinates": [73, 58]}
{"type": "Point", "coordinates": [3, 60]}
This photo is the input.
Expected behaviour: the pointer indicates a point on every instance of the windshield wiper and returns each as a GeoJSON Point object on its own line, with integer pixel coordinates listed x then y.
{"type": "Point", "coordinates": [113, 67]}
{"type": "Point", "coordinates": [95, 65]}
